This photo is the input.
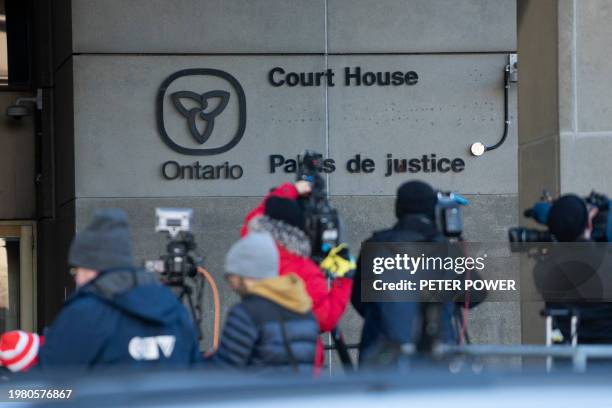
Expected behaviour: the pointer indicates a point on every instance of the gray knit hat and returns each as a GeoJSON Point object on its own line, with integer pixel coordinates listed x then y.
{"type": "Point", "coordinates": [254, 256]}
{"type": "Point", "coordinates": [104, 244]}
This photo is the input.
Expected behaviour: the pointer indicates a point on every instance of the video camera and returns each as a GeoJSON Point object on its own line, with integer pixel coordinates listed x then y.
{"type": "Point", "coordinates": [179, 261]}
{"type": "Point", "coordinates": [602, 224]}
{"type": "Point", "coordinates": [448, 214]}
{"type": "Point", "coordinates": [322, 228]}
{"type": "Point", "coordinates": [322, 221]}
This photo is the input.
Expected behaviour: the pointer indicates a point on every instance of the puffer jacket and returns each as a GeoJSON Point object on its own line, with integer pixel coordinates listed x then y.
{"type": "Point", "coordinates": [272, 330]}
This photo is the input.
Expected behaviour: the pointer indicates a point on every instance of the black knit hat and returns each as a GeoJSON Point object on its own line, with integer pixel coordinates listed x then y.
{"type": "Point", "coordinates": [568, 218]}
{"type": "Point", "coordinates": [104, 244]}
{"type": "Point", "coordinates": [285, 210]}
{"type": "Point", "coordinates": [416, 197]}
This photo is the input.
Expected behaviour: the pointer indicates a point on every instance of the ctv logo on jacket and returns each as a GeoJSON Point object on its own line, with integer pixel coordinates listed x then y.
{"type": "Point", "coordinates": [201, 111]}
{"type": "Point", "coordinates": [151, 348]}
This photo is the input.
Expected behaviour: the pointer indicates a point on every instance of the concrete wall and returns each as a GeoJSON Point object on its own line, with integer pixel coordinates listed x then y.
{"type": "Point", "coordinates": [538, 124]}
{"type": "Point", "coordinates": [456, 102]}
{"type": "Point", "coordinates": [17, 167]}
{"type": "Point", "coordinates": [585, 107]}
{"type": "Point", "coordinates": [293, 26]}
{"type": "Point", "coordinates": [122, 52]}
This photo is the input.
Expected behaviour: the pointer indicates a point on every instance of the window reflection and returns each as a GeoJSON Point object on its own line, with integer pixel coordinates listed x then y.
{"type": "Point", "coordinates": [9, 284]}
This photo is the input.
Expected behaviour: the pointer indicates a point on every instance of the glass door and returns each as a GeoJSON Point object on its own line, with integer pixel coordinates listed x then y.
{"type": "Point", "coordinates": [17, 276]}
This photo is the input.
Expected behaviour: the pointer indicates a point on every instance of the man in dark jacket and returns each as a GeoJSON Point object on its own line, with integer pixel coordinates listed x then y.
{"type": "Point", "coordinates": [272, 329]}
{"type": "Point", "coordinates": [393, 329]}
{"type": "Point", "coordinates": [119, 315]}
{"type": "Point", "coordinates": [569, 277]}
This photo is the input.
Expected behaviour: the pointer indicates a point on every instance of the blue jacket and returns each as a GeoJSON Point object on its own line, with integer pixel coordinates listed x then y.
{"type": "Point", "coordinates": [123, 317]}
{"type": "Point", "coordinates": [272, 330]}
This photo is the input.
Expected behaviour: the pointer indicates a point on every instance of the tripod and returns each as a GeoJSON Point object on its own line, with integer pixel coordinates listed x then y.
{"type": "Point", "coordinates": [184, 292]}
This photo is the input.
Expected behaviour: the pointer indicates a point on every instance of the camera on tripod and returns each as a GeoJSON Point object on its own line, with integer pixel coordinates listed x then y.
{"type": "Point", "coordinates": [322, 221]}
{"type": "Point", "coordinates": [322, 225]}
{"type": "Point", "coordinates": [602, 223]}
{"type": "Point", "coordinates": [179, 261]}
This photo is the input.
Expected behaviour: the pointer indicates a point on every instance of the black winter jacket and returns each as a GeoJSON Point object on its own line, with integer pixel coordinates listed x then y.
{"type": "Point", "coordinates": [271, 330]}
{"type": "Point", "coordinates": [389, 327]}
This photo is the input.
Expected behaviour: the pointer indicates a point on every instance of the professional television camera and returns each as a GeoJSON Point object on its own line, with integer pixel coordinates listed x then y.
{"type": "Point", "coordinates": [322, 228]}
{"type": "Point", "coordinates": [571, 279]}
{"type": "Point", "coordinates": [602, 224]}
{"type": "Point", "coordinates": [448, 214]}
{"type": "Point", "coordinates": [180, 260]}
{"type": "Point", "coordinates": [322, 221]}
{"type": "Point", "coordinates": [449, 220]}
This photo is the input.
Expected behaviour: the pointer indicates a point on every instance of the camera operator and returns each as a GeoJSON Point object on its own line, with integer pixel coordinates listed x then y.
{"type": "Point", "coordinates": [280, 215]}
{"type": "Point", "coordinates": [394, 330]}
{"type": "Point", "coordinates": [119, 315]}
{"type": "Point", "coordinates": [571, 273]}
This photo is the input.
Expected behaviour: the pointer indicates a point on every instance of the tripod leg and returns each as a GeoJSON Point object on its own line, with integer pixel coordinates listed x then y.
{"type": "Point", "coordinates": [343, 353]}
{"type": "Point", "coordinates": [187, 292]}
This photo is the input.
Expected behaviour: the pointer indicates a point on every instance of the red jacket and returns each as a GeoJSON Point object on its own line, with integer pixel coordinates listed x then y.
{"type": "Point", "coordinates": [328, 304]}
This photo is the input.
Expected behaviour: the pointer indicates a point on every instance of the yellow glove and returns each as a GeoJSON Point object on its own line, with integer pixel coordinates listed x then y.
{"type": "Point", "coordinates": [339, 262]}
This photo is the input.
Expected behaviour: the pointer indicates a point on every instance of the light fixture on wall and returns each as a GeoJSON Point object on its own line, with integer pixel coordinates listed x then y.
{"type": "Point", "coordinates": [20, 109]}
{"type": "Point", "coordinates": [510, 76]}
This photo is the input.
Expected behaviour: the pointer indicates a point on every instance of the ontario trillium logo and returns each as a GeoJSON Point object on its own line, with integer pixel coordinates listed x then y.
{"type": "Point", "coordinates": [193, 113]}
{"type": "Point", "coordinates": [201, 111]}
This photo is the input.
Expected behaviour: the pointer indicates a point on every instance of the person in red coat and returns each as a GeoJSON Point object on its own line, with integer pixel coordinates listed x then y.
{"type": "Point", "coordinates": [281, 216]}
